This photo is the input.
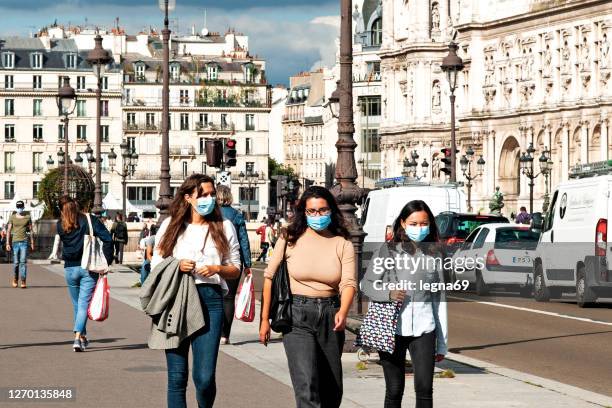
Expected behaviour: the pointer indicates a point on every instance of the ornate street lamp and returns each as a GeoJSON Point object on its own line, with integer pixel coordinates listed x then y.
{"type": "Point", "coordinates": [465, 164]}
{"type": "Point", "coordinates": [452, 64]}
{"type": "Point", "coordinates": [66, 102]}
{"type": "Point", "coordinates": [98, 58]}
{"type": "Point", "coordinates": [164, 188]}
{"type": "Point", "coordinates": [128, 166]}
{"type": "Point", "coordinates": [50, 163]}
{"type": "Point", "coordinates": [527, 168]}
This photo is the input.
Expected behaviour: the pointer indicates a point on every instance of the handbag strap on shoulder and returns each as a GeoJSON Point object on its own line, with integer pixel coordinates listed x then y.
{"type": "Point", "coordinates": [91, 232]}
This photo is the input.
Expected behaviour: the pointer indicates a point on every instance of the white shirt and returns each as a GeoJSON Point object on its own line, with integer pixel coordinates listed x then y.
{"type": "Point", "coordinates": [190, 245]}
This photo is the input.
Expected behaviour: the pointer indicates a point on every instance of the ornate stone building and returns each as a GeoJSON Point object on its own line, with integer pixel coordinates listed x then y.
{"type": "Point", "coordinates": [535, 72]}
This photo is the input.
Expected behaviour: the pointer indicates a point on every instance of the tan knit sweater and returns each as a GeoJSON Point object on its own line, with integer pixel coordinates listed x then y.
{"type": "Point", "coordinates": [318, 266]}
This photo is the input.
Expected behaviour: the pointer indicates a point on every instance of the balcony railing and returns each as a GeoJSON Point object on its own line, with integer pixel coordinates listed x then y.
{"type": "Point", "coordinates": [182, 151]}
{"type": "Point", "coordinates": [10, 140]}
{"type": "Point", "coordinates": [37, 169]}
{"type": "Point", "coordinates": [141, 126]}
{"type": "Point", "coordinates": [9, 169]}
{"type": "Point", "coordinates": [367, 77]}
{"type": "Point", "coordinates": [195, 103]}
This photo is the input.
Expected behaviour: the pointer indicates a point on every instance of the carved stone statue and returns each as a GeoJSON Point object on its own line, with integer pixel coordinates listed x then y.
{"type": "Point", "coordinates": [437, 93]}
{"type": "Point", "coordinates": [565, 58]}
{"type": "Point", "coordinates": [435, 17]}
{"type": "Point", "coordinates": [547, 60]}
{"type": "Point", "coordinates": [604, 51]}
{"type": "Point", "coordinates": [497, 202]}
{"type": "Point", "coordinates": [585, 54]}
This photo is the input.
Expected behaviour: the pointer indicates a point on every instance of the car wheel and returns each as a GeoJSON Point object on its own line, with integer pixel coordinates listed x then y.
{"type": "Point", "coordinates": [540, 291]}
{"type": "Point", "coordinates": [584, 295]}
{"type": "Point", "coordinates": [481, 286]}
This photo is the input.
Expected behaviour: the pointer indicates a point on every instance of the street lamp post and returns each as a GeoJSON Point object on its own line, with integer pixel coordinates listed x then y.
{"type": "Point", "coordinates": [98, 58]}
{"type": "Point", "coordinates": [346, 190]}
{"type": "Point", "coordinates": [66, 102]}
{"type": "Point", "coordinates": [249, 179]}
{"type": "Point", "coordinates": [466, 169]}
{"type": "Point", "coordinates": [527, 168]}
{"type": "Point", "coordinates": [452, 64]}
{"type": "Point", "coordinates": [410, 167]}
{"type": "Point", "coordinates": [164, 187]}
{"type": "Point", "coordinates": [128, 167]}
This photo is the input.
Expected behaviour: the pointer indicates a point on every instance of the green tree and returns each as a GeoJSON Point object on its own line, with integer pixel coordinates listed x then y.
{"type": "Point", "coordinates": [277, 169]}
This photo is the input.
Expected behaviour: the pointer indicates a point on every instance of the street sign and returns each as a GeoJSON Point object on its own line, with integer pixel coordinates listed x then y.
{"type": "Point", "coordinates": [224, 178]}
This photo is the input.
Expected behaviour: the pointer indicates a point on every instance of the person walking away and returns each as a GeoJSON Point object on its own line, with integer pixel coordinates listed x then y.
{"type": "Point", "coordinates": [264, 245]}
{"type": "Point", "coordinates": [72, 228]}
{"type": "Point", "coordinates": [321, 267]}
{"type": "Point", "coordinates": [421, 326]}
{"type": "Point", "coordinates": [119, 232]}
{"type": "Point", "coordinates": [197, 247]}
{"type": "Point", "coordinates": [18, 230]}
{"type": "Point", "coordinates": [523, 216]}
{"type": "Point", "coordinates": [149, 243]}
{"type": "Point", "coordinates": [225, 199]}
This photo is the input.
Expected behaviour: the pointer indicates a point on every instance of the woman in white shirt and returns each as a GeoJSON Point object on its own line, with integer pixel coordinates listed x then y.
{"type": "Point", "coordinates": [208, 249]}
{"type": "Point", "coordinates": [421, 325]}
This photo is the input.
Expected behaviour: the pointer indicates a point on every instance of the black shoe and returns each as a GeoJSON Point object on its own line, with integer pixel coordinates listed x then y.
{"type": "Point", "coordinates": [77, 346]}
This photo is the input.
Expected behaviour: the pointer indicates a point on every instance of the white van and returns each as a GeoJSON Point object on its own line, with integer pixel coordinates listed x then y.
{"type": "Point", "coordinates": [384, 205]}
{"type": "Point", "coordinates": [573, 253]}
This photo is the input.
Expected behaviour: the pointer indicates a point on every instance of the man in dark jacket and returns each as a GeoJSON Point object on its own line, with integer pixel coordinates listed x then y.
{"type": "Point", "coordinates": [119, 232]}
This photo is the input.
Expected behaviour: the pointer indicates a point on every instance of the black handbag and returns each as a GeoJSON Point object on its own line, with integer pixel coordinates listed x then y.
{"type": "Point", "coordinates": [280, 306]}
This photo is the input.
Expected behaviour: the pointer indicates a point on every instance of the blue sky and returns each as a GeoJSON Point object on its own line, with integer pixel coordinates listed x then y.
{"type": "Point", "coordinates": [291, 36]}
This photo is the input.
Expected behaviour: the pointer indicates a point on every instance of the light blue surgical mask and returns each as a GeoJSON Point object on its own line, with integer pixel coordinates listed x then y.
{"type": "Point", "coordinates": [20, 210]}
{"type": "Point", "coordinates": [205, 205]}
{"type": "Point", "coordinates": [318, 223]}
{"type": "Point", "coordinates": [417, 233]}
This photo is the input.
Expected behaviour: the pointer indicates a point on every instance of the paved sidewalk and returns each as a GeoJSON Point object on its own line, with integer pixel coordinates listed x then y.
{"type": "Point", "coordinates": [476, 383]}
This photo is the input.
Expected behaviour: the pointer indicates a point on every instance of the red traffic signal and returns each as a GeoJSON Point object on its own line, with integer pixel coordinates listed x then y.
{"type": "Point", "coordinates": [230, 153]}
{"type": "Point", "coordinates": [446, 160]}
{"type": "Point", "coordinates": [230, 143]}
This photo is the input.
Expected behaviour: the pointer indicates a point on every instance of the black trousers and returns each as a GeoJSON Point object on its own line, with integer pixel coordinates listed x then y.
{"type": "Point", "coordinates": [313, 351]}
{"type": "Point", "coordinates": [422, 354]}
{"type": "Point", "coordinates": [119, 252]}
{"type": "Point", "coordinates": [229, 306]}
{"type": "Point", "coordinates": [264, 251]}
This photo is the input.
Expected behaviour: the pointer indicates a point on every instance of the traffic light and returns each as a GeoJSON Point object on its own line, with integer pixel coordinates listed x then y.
{"type": "Point", "coordinates": [214, 153]}
{"type": "Point", "coordinates": [230, 153]}
{"type": "Point", "coordinates": [446, 160]}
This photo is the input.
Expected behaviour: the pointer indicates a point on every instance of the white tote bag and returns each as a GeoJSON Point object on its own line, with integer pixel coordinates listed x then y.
{"type": "Point", "coordinates": [245, 301]}
{"type": "Point", "coordinates": [93, 258]}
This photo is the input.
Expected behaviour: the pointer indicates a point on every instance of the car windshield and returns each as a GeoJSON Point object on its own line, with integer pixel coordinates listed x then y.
{"type": "Point", "coordinates": [460, 225]}
{"type": "Point", "coordinates": [516, 238]}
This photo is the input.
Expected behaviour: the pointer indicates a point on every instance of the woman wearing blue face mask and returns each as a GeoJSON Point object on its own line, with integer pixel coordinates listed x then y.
{"type": "Point", "coordinates": [321, 266]}
{"type": "Point", "coordinates": [195, 251]}
{"type": "Point", "coordinates": [421, 324]}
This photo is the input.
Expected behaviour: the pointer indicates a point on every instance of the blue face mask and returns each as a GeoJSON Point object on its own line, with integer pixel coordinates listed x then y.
{"type": "Point", "coordinates": [417, 233]}
{"type": "Point", "coordinates": [20, 210]}
{"type": "Point", "coordinates": [205, 205]}
{"type": "Point", "coordinates": [318, 223]}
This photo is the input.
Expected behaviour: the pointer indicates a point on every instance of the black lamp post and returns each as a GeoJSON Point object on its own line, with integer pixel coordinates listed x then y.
{"type": "Point", "coordinates": [98, 58]}
{"type": "Point", "coordinates": [66, 102]}
{"type": "Point", "coordinates": [249, 179]}
{"type": "Point", "coordinates": [527, 168]}
{"type": "Point", "coordinates": [411, 165]}
{"type": "Point", "coordinates": [128, 167]}
{"type": "Point", "coordinates": [466, 169]}
{"type": "Point", "coordinates": [164, 187]}
{"type": "Point", "coordinates": [452, 65]}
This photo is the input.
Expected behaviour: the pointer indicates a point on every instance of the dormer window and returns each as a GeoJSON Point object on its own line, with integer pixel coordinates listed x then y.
{"type": "Point", "coordinates": [249, 73]}
{"type": "Point", "coordinates": [8, 60]}
{"type": "Point", "coordinates": [37, 60]}
{"type": "Point", "coordinates": [213, 72]}
{"type": "Point", "coordinates": [139, 69]}
{"type": "Point", "coordinates": [71, 61]}
{"type": "Point", "coordinates": [175, 71]}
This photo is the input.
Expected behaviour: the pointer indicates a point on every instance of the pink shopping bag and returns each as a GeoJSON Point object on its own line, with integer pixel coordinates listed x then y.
{"type": "Point", "coordinates": [245, 301]}
{"type": "Point", "coordinates": [98, 306]}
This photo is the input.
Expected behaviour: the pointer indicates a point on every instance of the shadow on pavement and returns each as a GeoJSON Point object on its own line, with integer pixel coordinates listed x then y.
{"type": "Point", "coordinates": [124, 347]}
{"type": "Point", "coordinates": [241, 343]}
{"type": "Point", "coordinates": [56, 343]}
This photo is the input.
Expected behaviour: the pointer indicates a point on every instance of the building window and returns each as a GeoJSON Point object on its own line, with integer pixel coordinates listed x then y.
{"type": "Point", "coordinates": [248, 146]}
{"type": "Point", "coordinates": [212, 72]}
{"type": "Point", "coordinates": [184, 169]}
{"type": "Point", "coordinates": [9, 133]}
{"type": "Point", "coordinates": [9, 162]}
{"type": "Point", "coordinates": [81, 133]}
{"type": "Point", "coordinates": [247, 195]}
{"type": "Point", "coordinates": [8, 60]}
{"type": "Point", "coordinates": [60, 132]}
{"type": "Point", "coordinates": [35, 188]}
{"type": "Point", "coordinates": [9, 107]}
{"type": "Point", "coordinates": [131, 141]}
{"type": "Point", "coordinates": [104, 132]}
{"type": "Point", "coordinates": [370, 105]}
{"type": "Point", "coordinates": [376, 34]}
{"type": "Point", "coordinates": [203, 120]}
{"type": "Point", "coordinates": [104, 108]}
{"type": "Point", "coordinates": [184, 96]}
{"type": "Point", "coordinates": [140, 72]}
{"type": "Point", "coordinates": [224, 121]}
{"type": "Point", "coordinates": [150, 120]}
{"type": "Point", "coordinates": [37, 133]}
{"type": "Point", "coordinates": [249, 167]}
{"type": "Point", "coordinates": [37, 61]}
{"type": "Point", "coordinates": [104, 188]}
{"type": "Point", "coordinates": [248, 73]}
{"type": "Point", "coordinates": [105, 83]}
{"type": "Point", "coordinates": [370, 141]}
{"type": "Point", "coordinates": [9, 190]}
{"type": "Point", "coordinates": [175, 72]}
{"type": "Point", "coordinates": [8, 82]}
{"type": "Point", "coordinates": [104, 165]}
{"type": "Point", "coordinates": [81, 108]}
{"type": "Point", "coordinates": [184, 121]}
{"type": "Point", "coordinates": [373, 68]}
{"type": "Point", "coordinates": [141, 195]}
{"type": "Point", "coordinates": [71, 60]}
{"type": "Point", "coordinates": [37, 82]}
{"type": "Point", "coordinates": [80, 83]}
{"type": "Point", "coordinates": [37, 162]}
{"type": "Point", "coordinates": [131, 119]}
{"type": "Point", "coordinates": [250, 122]}
{"type": "Point", "coordinates": [37, 107]}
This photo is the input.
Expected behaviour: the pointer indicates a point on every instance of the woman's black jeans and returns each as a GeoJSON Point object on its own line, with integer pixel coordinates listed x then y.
{"type": "Point", "coordinates": [422, 354]}
{"type": "Point", "coordinates": [314, 352]}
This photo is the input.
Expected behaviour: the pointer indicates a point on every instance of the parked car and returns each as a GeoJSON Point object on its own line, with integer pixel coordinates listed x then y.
{"type": "Point", "coordinates": [574, 253]}
{"type": "Point", "coordinates": [455, 227]}
{"type": "Point", "coordinates": [501, 256]}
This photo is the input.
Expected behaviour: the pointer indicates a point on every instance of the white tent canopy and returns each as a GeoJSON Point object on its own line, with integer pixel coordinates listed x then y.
{"type": "Point", "coordinates": [110, 202]}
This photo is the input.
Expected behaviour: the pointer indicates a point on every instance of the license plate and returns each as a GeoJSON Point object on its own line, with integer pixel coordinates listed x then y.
{"type": "Point", "coordinates": [521, 259]}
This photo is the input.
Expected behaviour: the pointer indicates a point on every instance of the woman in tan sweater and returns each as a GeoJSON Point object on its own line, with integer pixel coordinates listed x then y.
{"type": "Point", "coordinates": [321, 266]}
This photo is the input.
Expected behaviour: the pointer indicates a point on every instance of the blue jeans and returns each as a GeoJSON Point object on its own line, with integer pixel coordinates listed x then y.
{"type": "Point", "coordinates": [81, 284]}
{"type": "Point", "coordinates": [205, 347]}
{"type": "Point", "coordinates": [145, 269]}
{"type": "Point", "coordinates": [20, 254]}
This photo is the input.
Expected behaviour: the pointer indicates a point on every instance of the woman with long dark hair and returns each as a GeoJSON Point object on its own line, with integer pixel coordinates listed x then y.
{"type": "Point", "coordinates": [72, 228]}
{"type": "Point", "coordinates": [421, 325]}
{"type": "Point", "coordinates": [321, 266]}
{"type": "Point", "coordinates": [207, 248]}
